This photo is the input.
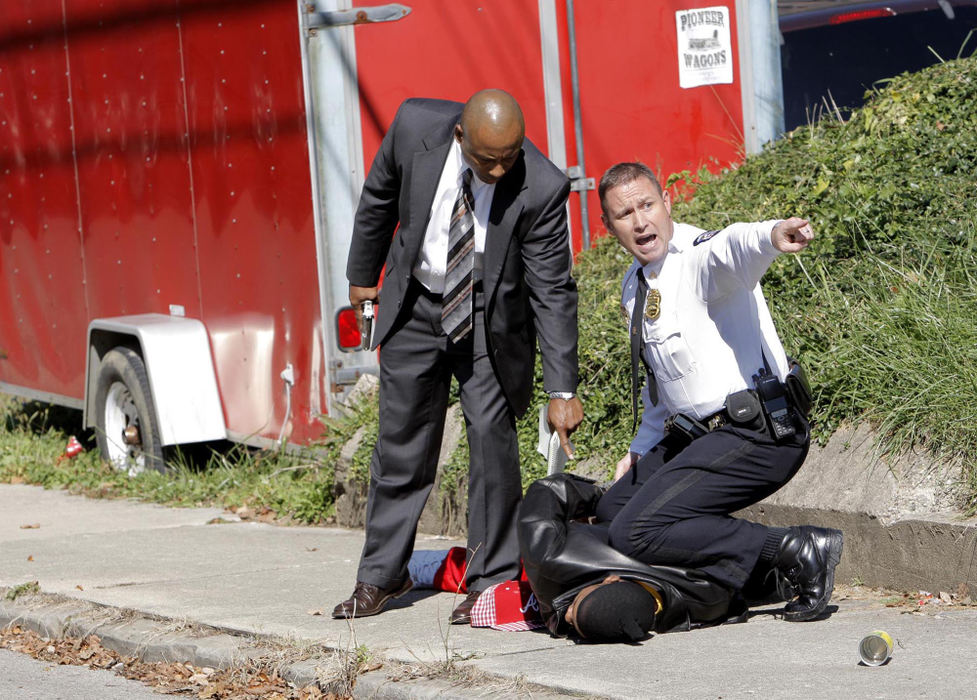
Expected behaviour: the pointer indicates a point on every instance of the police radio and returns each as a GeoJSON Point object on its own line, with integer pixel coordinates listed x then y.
{"type": "Point", "coordinates": [776, 407]}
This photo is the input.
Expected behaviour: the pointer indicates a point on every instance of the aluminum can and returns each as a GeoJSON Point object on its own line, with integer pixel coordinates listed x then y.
{"type": "Point", "coordinates": [875, 649]}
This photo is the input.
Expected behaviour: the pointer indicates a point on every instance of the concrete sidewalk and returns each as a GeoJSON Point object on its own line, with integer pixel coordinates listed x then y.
{"type": "Point", "coordinates": [248, 578]}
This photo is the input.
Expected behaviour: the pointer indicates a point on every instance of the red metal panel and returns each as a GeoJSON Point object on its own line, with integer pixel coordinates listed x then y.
{"type": "Point", "coordinates": [631, 102]}
{"type": "Point", "coordinates": [253, 206]}
{"type": "Point", "coordinates": [450, 50]}
{"type": "Point", "coordinates": [632, 105]}
{"type": "Point", "coordinates": [192, 188]}
{"type": "Point", "coordinates": [42, 300]}
{"type": "Point", "coordinates": [186, 127]}
{"type": "Point", "coordinates": [132, 157]}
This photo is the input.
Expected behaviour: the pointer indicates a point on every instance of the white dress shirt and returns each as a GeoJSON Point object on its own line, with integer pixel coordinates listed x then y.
{"type": "Point", "coordinates": [433, 257]}
{"type": "Point", "coordinates": [714, 329]}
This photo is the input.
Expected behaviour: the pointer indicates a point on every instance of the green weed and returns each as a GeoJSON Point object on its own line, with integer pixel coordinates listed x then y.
{"type": "Point", "coordinates": [22, 589]}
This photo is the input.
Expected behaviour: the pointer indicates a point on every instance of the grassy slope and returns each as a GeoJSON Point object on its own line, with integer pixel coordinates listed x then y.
{"type": "Point", "coordinates": [881, 309]}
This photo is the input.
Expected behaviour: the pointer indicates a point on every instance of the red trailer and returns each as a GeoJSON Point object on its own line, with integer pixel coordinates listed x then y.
{"type": "Point", "coordinates": [178, 179]}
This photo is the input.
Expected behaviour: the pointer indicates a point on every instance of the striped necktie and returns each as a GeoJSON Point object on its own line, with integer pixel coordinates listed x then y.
{"type": "Point", "coordinates": [456, 305]}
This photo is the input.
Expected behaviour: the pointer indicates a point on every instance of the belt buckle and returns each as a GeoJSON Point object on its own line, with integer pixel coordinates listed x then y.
{"type": "Point", "coordinates": [717, 421]}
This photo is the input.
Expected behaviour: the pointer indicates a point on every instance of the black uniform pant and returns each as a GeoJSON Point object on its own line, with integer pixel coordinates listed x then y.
{"type": "Point", "coordinates": [674, 506]}
{"type": "Point", "coordinates": [417, 362]}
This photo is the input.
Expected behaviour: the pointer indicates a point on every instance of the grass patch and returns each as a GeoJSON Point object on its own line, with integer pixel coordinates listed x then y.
{"type": "Point", "coordinates": [27, 588]}
{"type": "Point", "coordinates": [296, 487]}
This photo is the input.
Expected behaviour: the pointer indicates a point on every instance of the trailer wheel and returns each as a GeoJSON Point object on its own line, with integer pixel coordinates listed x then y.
{"type": "Point", "coordinates": [126, 424]}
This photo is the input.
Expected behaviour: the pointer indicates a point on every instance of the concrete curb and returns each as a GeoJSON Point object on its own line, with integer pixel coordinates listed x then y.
{"type": "Point", "coordinates": [901, 515]}
{"type": "Point", "coordinates": [157, 639]}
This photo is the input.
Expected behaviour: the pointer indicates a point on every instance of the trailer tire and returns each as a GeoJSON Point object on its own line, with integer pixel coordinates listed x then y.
{"type": "Point", "coordinates": [123, 402]}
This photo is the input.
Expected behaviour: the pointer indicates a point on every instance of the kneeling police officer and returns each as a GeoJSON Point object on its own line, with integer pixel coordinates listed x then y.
{"type": "Point", "coordinates": [725, 412]}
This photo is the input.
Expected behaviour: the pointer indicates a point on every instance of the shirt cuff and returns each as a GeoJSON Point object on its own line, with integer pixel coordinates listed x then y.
{"type": "Point", "coordinates": [766, 242]}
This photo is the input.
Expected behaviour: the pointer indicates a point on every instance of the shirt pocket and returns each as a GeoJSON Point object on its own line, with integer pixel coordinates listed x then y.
{"type": "Point", "coordinates": [670, 355]}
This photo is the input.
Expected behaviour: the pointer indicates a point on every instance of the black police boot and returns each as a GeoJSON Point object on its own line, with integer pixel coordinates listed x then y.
{"type": "Point", "coordinates": [807, 558]}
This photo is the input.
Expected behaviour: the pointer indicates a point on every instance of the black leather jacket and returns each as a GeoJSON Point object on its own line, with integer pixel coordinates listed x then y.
{"type": "Point", "coordinates": [562, 556]}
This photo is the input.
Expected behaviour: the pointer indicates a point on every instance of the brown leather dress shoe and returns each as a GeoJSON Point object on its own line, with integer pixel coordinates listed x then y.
{"type": "Point", "coordinates": [368, 599]}
{"type": "Point", "coordinates": [462, 615]}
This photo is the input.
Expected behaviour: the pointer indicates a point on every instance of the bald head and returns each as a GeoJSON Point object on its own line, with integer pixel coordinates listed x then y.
{"type": "Point", "coordinates": [492, 109]}
{"type": "Point", "coordinates": [491, 131]}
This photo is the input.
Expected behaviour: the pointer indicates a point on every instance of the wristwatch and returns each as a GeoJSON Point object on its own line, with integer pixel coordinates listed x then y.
{"type": "Point", "coordinates": [565, 395]}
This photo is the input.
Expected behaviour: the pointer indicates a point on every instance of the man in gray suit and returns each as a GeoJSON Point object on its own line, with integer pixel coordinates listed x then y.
{"type": "Point", "coordinates": [479, 267]}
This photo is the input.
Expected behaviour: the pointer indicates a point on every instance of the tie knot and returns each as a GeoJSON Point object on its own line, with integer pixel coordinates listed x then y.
{"type": "Point", "coordinates": [466, 178]}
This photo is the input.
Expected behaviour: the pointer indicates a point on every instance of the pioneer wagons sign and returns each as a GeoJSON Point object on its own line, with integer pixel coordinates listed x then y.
{"type": "Point", "coordinates": [705, 53]}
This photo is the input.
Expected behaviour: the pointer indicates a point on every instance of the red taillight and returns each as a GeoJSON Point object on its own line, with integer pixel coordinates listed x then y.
{"type": "Point", "coordinates": [862, 14]}
{"type": "Point", "coordinates": [347, 330]}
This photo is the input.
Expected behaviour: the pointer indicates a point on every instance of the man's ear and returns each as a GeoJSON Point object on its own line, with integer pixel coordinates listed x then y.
{"type": "Point", "coordinates": [667, 198]}
{"type": "Point", "coordinates": [459, 133]}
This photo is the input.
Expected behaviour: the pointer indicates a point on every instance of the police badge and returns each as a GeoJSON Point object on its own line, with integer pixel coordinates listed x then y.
{"type": "Point", "coordinates": [653, 305]}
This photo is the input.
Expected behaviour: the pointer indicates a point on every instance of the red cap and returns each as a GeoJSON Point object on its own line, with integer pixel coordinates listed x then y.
{"type": "Point", "coordinates": [510, 605]}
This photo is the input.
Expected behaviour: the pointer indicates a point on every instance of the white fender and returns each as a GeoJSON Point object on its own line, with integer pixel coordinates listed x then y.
{"type": "Point", "coordinates": [176, 352]}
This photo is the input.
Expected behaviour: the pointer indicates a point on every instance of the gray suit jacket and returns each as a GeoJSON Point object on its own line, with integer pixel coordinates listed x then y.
{"type": "Point", "coordinates": [526, 262]}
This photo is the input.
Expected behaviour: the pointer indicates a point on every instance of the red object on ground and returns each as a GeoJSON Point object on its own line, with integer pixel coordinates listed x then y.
{"type": "Point", "coordinates": [509, 606]}
{"type": "Point", "coordinates": [74, 448]}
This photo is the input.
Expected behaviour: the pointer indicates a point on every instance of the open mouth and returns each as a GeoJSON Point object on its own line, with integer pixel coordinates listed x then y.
{"type": "Point", "coordinates": [645, 240]}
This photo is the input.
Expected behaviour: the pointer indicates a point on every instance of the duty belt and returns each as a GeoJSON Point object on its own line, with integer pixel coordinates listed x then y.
{"type": "Point", "coordinates": [741, 408]}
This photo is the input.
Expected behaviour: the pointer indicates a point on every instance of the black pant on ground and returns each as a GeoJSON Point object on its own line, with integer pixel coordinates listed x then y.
{"type": "Point", "coordinates": [416, 365]}
{"type": "Point", "coordinates": [674, 506]}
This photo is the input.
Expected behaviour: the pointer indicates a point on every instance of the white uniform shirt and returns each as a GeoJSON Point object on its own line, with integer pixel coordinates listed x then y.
{"type": "Point", "coordinates": [433, 257]}
{"type": "Point", "coordinates": [714, 328]}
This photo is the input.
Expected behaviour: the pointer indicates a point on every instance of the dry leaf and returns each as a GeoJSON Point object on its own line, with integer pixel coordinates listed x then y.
{"type": "Point", "coordinates": [317, 611]}
{"type": "Point", "coordinates": [30, 557]}
{"type": "Point", "coordinates": [170, 678]}
{"type": "Point", "coordinates": [79, 587]}
{"type": "Point", "coordinates": [34, 526]}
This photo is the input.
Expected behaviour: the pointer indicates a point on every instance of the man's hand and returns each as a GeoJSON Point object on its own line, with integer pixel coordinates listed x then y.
{"type": "Point", "coordinates": [792, 235]}
{"type": "Point", "coordinates": [564, 416]}
{"type": "Point", "coordinates": [357, 295]}
{"type": "Point", "coordinates": [627, 461]}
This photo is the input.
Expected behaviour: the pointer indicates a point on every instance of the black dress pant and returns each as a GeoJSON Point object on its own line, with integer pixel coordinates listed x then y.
{"type": "Point", "coordinates": [674, 506]}
{"type": "Point", "coordinates": [417, 362]}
